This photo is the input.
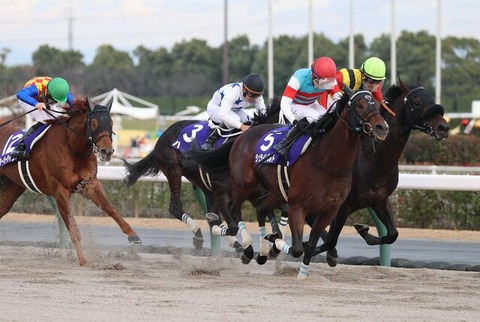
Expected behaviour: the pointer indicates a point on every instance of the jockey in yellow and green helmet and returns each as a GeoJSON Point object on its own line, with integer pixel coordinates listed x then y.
{"type": "Point", "coordinates": [371, 74]}
{"type": "Point", "coordinates": [37, 94]}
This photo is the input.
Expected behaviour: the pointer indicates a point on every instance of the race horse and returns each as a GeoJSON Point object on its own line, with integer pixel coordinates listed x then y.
{"type": "Point", "coordinates": [168, 157]}
{"type": "Point", "coordinates": [316, 183]}
{"type": "Point", "coordinates": [375, 173]}
{"type": "Point", "coordinates": [62, 162]}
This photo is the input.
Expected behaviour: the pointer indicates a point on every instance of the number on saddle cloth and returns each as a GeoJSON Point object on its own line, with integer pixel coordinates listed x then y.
{"type": "Point", "coordinates": [266, 154]}
{"type": "Point", "coordinates": [195, 134]}
{"type": "Point", "coordinates": [16, 137]}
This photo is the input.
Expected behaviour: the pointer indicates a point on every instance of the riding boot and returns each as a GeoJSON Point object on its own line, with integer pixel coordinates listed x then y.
{"type": "Point", "coordinates": [284, 145]}
{"type": "Point", "coordinates": [212, 138]}
{"type": "Point", "coordinates": [20, 152]}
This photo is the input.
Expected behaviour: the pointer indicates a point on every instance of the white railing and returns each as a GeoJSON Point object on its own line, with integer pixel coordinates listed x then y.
{"type": "Point", "coordinates": [432, 181]}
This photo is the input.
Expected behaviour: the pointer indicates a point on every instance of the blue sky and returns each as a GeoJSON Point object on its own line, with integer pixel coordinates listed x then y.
{"type": "Point", "coordinates": [28, 24]}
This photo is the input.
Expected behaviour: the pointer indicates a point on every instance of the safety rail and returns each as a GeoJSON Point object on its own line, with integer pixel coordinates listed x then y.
{"type": "Point", "coordinates": [413, 181]}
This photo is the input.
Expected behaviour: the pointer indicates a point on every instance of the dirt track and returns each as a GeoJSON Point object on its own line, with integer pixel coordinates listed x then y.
{"type": "Point", "coordinates": [41, 283]}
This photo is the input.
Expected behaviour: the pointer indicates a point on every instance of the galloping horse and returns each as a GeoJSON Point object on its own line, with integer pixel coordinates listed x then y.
{"type": "Point", "coordinates": [168, 157]}
{"type": "Point", "coordinates": [64, 161]}
{"type": "Point", "coordinates": [320, 178]}
{"type": "Point", "coordinates": [375, 174]}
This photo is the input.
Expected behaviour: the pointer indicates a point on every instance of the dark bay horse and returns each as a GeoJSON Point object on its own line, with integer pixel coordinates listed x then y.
{"type": "Point", "coordinates": [319, 180]}
{"type": "Point", "coordinates": [375, 174]}
{"type": "Point", "coordinates": [64, 161]}
{"type": "Point", "coordinates": [167, 158]}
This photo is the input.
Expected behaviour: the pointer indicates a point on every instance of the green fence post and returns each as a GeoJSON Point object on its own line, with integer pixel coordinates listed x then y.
{"type": "Point", "coordinates": [385, 258]}
{"type": "Point", "coordinates": [62, 229]}
{"type": "Point", "coordinates": [215, 248]}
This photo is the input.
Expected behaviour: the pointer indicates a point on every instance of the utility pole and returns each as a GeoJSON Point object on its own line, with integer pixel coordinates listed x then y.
{"type": "Point", "coordinates": [70, 27]}
{"type": "Point", "coordinates": [225, 45]}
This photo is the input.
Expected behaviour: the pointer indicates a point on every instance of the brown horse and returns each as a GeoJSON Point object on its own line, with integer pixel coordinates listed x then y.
{"type": "Point", "coordinates": [319, 180]}
{"type": "Point", "coordinates": [375, 174]}
{"type": "Point", "coordinates": [168, 158]}
{"type": "Point", "coordinates": [64, 161]}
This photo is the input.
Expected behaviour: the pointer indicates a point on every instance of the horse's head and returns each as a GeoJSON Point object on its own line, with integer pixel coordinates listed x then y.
{"type": "Point", "coordinates": [363, 113]}
{"type": "Point", "coordinates": [99, 129]}
{"type": "Point", "coordinates": [421, 112]}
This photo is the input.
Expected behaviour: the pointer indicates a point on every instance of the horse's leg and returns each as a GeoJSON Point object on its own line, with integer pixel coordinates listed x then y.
{"type": "Point", "coordinates": [318, 226]}
{"type": "Point", "coordinates": [296, 221]}
{"type": "Point", "coordinates": [385, 214]}
{"type": "Point", "coordinates": [174, 178]}
{"type": "Point", "coordinates": [264, 246]}
{"type": "Point", "coordinates": [62, 197]}
{"type": "Point", "coordinates": [330, 239]}
{"type": "Point", "coordinates": [95, 193]}
{"type": "Point", "coordinates": [9, 193]}
{"type": "Point", "coordinates": [282, 227]}
{"type": "Point", "coordinates": [216, 205]}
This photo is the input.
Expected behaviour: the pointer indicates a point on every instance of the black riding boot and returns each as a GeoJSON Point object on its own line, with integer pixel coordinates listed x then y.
{"type": "Point", "coordinates": [212, 137]}
{"type": "Point", "coordinates": [20, 152]}
{"type": "Point", "coordinates": [284, 145]}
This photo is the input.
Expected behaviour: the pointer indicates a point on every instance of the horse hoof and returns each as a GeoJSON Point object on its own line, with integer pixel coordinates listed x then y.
{"type": "Point", "coordinates": [331, 261]}
{"type": "Point", "coordinates": [198, 242]}
{"type": "Point", "coordinates": [274, 252]}
{"type": "Point", "coordinates": [247, 255]}
{"type": "Point", "coordinates": [134, 239]}
{"type": "Point", "coordinates": [245, 259]}
{"type": "Point", "coordinates": [361, 229]}
{"type": "Point", "coordinates": [261, 259]}
{"type": "Point", "coordinates": [238, 247]}
{"type": "Point", "coordinates": [213, 219]}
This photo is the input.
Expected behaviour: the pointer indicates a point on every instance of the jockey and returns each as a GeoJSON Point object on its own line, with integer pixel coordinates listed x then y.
{"type": "Point", "coordinates": [299, 103]}
{"type": "Point", "coordinates": [371, 74]}
{"type": "Point", "coordinates": [38, 93]}
{"type": "Point", "coordinates": [226, 106]}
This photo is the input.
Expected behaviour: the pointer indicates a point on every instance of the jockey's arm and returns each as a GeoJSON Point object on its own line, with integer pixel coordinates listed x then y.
{"type": "Point", "coordinates": [28, 95]}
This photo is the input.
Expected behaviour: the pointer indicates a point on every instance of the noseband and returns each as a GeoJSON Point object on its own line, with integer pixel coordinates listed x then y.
{"type": "Point", "coordinates": [359, 122]}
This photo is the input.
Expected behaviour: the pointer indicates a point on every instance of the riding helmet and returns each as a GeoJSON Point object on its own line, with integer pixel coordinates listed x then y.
{"type": "Point", "coordinates": [374, 68]}
{"type": "Point", "coordinates": [324, 67]}
{"type": "Point", "coordinates": [254, 83]}
{"type": "Point", "coordinates": [58, 89]}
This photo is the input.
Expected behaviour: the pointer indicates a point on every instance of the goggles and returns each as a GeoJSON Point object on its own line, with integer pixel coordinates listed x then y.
{"type": "Point", "coordinates": [373, 81]}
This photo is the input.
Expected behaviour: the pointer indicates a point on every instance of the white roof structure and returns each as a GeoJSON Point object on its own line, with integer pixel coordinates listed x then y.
{"type": "Point", "coordinates": [122, 104]}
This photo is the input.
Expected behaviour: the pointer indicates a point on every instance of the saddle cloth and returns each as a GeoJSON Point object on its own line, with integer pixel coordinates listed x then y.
{"type": "Point", "coordinates": [15, 138]}
{"type": "Point", "coordinates": [266, 154]}
{"type": "Point", "coordinates": [194, 135]}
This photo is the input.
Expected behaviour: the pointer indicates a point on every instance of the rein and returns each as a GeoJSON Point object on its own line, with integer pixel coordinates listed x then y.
{"type": "Point", "coordinates": [89, 138]}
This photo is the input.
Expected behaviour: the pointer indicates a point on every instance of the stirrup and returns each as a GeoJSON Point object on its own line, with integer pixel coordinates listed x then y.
{"type": "Point", "coordinates": [207, 146]}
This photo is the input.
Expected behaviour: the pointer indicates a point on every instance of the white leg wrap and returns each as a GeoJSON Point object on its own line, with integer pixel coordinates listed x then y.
{"type": "Point", "coordinates": [304, 271]}
{"type": "Point", "coordinates": [282, 245]}
{"type": "Point", "coordinates": [217, 231]}
{"type": "Point", "coordinates": [283, 225]}
{"type": "Point", "coordinates": [246, 237]}
{"type": "Point", "coordinates": [264, 247]}
{"type": "Point", "coordinates": [190, 222]}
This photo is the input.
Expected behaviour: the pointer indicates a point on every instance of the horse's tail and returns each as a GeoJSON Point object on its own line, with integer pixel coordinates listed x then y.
{"type": "Point", "coordinates": [145, 167]}
{"type": "Point", "coordinates": [213, 160]}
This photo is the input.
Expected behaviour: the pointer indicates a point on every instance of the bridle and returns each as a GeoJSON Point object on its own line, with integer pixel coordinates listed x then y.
{"type": "Point", "coordinates": [360, 122]}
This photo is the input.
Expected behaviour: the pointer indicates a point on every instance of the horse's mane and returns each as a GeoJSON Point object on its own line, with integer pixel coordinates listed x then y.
{"type": "Point", "coordinates": [272, 109]}
{"type": "Point", "coordinates": [80, 105]}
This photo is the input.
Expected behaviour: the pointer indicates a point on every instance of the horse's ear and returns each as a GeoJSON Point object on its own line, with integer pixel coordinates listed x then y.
{"type": "Point", "coordinates": [109, 105]}
{"type": "Point", "coordinates": [419, 80]}
{"type": "Point", "coordinates": [405, 88]}
{"type": "Point", "coordinates": [91, 105]}
{"type": "Point", "coordinates": [347, 90]}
